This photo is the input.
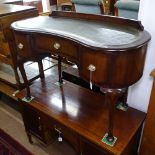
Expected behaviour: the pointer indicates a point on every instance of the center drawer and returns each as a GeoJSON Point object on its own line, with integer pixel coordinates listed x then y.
{"type": "Point", "coordinates": [56, 45]}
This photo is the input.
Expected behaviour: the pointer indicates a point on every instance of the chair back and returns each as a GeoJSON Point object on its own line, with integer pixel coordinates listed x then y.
{"type": "Point", "coordinates": [88, 6]}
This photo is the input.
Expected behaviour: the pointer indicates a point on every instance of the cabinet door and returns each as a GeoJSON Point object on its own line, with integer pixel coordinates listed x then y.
{"type": "Point", "coordinates": [32, 121]}
{"type": "Point", "coordinates": [34, 125]}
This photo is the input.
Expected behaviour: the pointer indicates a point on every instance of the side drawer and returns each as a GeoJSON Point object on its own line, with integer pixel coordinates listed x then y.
{"type": "Point", "coordinates": [56, 45]}
{"type": "Point", "coordinates": [23, 45]}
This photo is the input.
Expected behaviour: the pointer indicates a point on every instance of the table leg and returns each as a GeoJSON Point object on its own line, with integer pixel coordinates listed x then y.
{"type": "Point", "coordinates": [26, 82]}
{"type": "Point", "coordinates": [111, 96]}
{"type": "Point", "coordinates": [60, 70]}
{"type": "Point", "coordinates": [41, 70]}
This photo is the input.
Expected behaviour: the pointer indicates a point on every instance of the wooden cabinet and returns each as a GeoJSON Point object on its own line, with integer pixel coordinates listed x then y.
{"type": "Point", "coordinates": [10, 13]}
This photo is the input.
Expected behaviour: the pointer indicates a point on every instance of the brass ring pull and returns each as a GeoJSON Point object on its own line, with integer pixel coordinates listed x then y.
{"type": "Point", "coordinates": [20, 46]}
{"type": "Point", "coordinates": [91, 68]}
{"type": "Point", "coordinates": [57, 46]}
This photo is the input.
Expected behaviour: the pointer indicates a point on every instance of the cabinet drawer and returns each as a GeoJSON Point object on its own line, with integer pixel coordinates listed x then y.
{"type": "Point", "coordinates": [67, 134]}
{"type": "Point", "coordinates": [23, 45]}
{"type": "Point", "coordinates": [59, 129]}
{"type": "Point", "coordinates": [56, 45]}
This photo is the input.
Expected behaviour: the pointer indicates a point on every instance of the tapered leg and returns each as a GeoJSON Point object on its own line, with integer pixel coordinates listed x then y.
{"type": "Point", "coordinates": [60, 69]}
{"type": "Point", "coordinates": [17, 78]}
{"type": "Point", "coordinates": [112, 96]}
{"type": "Point", "coordinates": [26, 82]}
{"type": "Point", "coordinates": [41, 70]}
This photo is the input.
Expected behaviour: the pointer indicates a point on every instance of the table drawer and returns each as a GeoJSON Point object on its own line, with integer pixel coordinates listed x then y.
{"type": "Point", "coordinates": [23, 45]}
{"type": "Point", "coordinates": [59, 129]}
{"type": "Point", "coordinates": [56, 45]}
{"type": "Point", "coordinates": [67, 134]}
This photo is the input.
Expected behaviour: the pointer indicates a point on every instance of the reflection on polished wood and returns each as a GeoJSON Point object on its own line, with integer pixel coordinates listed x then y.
{"type": "Point", "coordinates": [116, 52]}
{"type": "Point", "coordinates": [81, 115]}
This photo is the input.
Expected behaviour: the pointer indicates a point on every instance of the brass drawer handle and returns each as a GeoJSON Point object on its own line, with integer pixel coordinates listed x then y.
{"type": "Point", "coordinates": [59, 131]}
{"type": "Point", "coordinates": [57, 46]}
{"type": "Point", "coordinates": [20, 46]}
{"type": "Point", "coordinates": [91, 68]}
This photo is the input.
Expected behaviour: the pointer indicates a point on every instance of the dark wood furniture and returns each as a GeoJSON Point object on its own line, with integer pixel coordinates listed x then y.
{"type": "Point", "coordinates": [109, 51]}
{"type": "Point", "coordinates": [8, 14]}
{"type": "Point", "coordinates": [79, 116]}
{"type": "Point", "coordinates": [148, 139]}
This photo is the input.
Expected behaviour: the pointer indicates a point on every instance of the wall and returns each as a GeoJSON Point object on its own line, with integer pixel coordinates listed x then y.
{"type": "Point", "coordinates": [139, 93]}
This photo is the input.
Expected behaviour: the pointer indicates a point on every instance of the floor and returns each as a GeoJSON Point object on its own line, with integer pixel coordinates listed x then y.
{"type": "Point", "coordinates": [31, 68]}
{"type": "Point", "coordinates": [11, 122]}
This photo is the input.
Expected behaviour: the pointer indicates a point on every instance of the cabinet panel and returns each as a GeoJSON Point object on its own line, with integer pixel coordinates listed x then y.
{"type": "Point", "coordinates": [34, 125]}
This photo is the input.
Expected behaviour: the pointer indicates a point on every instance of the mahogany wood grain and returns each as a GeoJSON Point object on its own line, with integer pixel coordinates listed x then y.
{"type": "Point", "coordinates": [148, 139]}
{"type": "Point", "coordinates": [83, 113]}
{"type": "Point", "coordinates": [113, 58]}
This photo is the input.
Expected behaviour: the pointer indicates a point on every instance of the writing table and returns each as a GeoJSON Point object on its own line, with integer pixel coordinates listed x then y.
{"type": "Point", "coordinates": [109, 51]}
{"type": "Point", "coordinates": [80, 116]}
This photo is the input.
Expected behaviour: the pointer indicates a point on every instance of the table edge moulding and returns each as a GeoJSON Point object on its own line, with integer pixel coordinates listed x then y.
{"type": "Point", "coordinates": [109, 51]}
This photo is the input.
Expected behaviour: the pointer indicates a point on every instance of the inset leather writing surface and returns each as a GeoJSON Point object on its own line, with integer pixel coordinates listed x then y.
{"type": "Point", "coordinates": [91, 33]}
